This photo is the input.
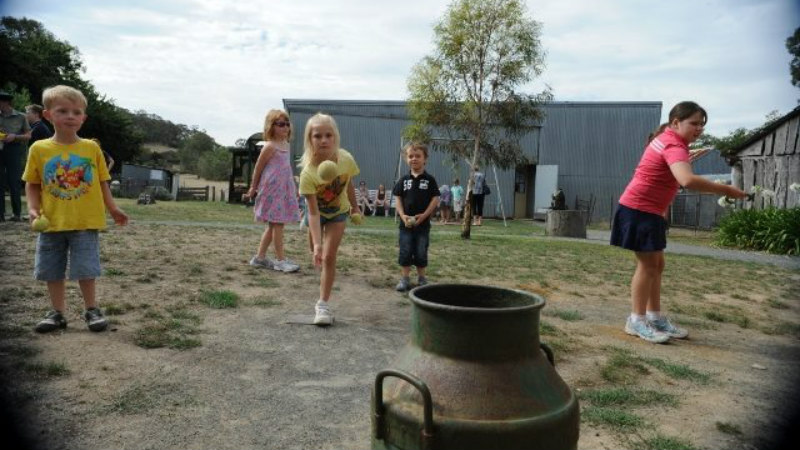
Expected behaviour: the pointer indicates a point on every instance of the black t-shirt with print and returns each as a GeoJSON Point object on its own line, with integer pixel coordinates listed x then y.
{"type": "Point", "coordinates": [416, 194]}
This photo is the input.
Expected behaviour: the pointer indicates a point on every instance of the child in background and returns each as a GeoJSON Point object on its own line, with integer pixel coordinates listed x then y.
{"type": "Point", "coordinates": [276, 198]}
{"type": "Point", "coordinates": [364, 204]}
{"type": "Point", "coordinates": [67, 182]}
{"type": "Point", "coordinates": [457, 192]}
{"type": "Point", "coordinates": [640, 224]}
{"type": "Point", "coordinates": [381, 201]}
{"type": "Point", "coordinates": [329, 202]}
{"type": "Point", "coordinates": [445, 200]}
{"type": "Point", "coordinates": [416, 198]}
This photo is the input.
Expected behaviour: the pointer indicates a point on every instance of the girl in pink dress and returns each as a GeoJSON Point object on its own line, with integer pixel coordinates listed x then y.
{"type": "Point", "coordinates": [275, 192]}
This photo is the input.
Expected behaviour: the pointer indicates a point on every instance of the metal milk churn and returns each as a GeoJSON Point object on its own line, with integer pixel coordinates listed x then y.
{"type": "Point", "coordinates": [474, 375]}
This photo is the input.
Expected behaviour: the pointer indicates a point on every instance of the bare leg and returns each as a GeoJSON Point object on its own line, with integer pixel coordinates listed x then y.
{"type": "Point", "coordinates": [333, 233]}
{"type": "Point", "coordinates": [277, 239]}
{"type": "Point", "coordinates": [266, 239]}
{"type": "Point", "coordinates": [57, 290]}
{"type": "Point", "coordinates": [88, 291]}
{"type": "Point", "coordinates": [648, 271]}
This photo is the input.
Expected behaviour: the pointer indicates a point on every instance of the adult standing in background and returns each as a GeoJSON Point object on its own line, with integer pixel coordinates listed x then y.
{"type": "Point", "coordinates": [15, 133]}
{"type": "Point", "coordinates": [478, 184]}
{"type": "Point", "coordinates": [39, 129]}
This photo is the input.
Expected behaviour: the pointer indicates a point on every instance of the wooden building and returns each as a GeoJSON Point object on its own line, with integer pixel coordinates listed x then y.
{"type": "Point", "coordinates": [771, 159]}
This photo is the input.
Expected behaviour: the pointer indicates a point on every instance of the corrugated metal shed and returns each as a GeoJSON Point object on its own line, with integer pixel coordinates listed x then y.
{"type": "Point", "coordinates": [596, 146]}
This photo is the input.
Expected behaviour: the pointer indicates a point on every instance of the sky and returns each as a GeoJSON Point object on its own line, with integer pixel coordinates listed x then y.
{"type": "Point", "coordinates": [220, 65]}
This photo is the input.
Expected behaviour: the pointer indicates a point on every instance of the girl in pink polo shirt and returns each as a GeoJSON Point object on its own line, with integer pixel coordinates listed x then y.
{"type": "Point", "coordinates": [640, 224]}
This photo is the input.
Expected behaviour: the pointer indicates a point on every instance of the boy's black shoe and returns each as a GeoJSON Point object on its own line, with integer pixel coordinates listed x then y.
{"type": "Point", "coordinates": [95, 320]}
{"type": "Point", "coordinates": [52, 321]}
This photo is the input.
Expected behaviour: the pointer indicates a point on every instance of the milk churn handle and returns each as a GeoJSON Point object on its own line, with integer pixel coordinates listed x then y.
{"type": "Point", "coordinates": [427, 404]}
{"type": "Point", "coordinates": [549, 353]}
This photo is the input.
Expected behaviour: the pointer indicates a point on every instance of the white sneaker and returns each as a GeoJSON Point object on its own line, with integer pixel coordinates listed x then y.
{"type": "Point", "coordinates": [286, 265]}
{"type": "Point", "coordinates": [265, 263]}
{"type": "Point", "coordinates": [663, 325]}
{"type": "Point", "coordinates": [645, 331]}
{"type": "Point", "coordinates": [323, 316]}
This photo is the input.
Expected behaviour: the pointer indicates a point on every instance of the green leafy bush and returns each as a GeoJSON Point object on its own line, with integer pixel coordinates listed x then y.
{"type": "Point", "coordinates": [774, 230]}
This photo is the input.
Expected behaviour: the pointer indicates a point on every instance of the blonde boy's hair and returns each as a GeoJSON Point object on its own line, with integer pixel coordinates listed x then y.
{"type": "Point", "coordinates": [273, 116]}
{"type": "Point", "coordinates": [415, 146]}
{"type": "Point", "coordinates": [61, 92]}
{"type": "Point", "coordinates": [308, 150]}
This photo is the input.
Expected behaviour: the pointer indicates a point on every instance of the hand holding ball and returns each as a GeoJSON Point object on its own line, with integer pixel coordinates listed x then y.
{"type": "Point", "coordinates": [40, 223]}
{"type": "Point", "coordinates": [356, 218]}
{"type": "Point", "coordinates": [327, 171]}
{"type": "Point", "coordinates": [411, 221]}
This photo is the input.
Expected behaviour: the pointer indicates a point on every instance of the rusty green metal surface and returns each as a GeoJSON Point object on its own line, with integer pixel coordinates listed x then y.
{"type": "Point", "coordinates": [477, 350]}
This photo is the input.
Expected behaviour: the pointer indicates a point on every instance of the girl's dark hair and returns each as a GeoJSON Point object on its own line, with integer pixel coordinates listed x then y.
{"type": "Point", "coordinates": [684, 110]}
{"type": "Point", "coordinates": [657, 131]}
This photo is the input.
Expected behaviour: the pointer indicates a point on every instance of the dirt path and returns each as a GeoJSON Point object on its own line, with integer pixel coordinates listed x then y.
{"type": "Point", "coordinates": [258, 382]}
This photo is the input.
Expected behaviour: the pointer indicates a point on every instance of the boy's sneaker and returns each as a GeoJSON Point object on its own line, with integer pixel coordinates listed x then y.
{"type": "Point", "coordinates": [645, 331]}
{"type": "Point", "coordinates": [323, 316]}
{"type": "Point", "coordinates": [52, 321]}
{"type": "Point", "coordinates": [422, 281]}
{"type": "Point", "coordinates": [663, 325]}
{"type": "Point", "coordinates": [265, 263]}
{"type": "Point", "coordinates": [286, 266]}
{"type": "Point", "coordinates": [403, 285]}
{"type": "Point", "coordinates": [95, 320]}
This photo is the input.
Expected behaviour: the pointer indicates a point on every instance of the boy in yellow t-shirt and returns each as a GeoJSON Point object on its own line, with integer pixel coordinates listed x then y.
{"type": "Point", "coordinates": [67, 182]}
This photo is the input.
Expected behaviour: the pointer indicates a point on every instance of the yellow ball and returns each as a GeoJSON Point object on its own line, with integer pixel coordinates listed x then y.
{"type": "Point", "coordinates": [357, 219]}
{"type": "Point", "coordinates": [327, 171]}
{"type": "Point", "coordinates": [40, 224]}
{"type": "Point", "coordinates": [411, 221]}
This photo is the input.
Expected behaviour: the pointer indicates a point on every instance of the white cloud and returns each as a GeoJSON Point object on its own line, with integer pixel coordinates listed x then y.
{"type": "Point", "coordinates": [220, 65]}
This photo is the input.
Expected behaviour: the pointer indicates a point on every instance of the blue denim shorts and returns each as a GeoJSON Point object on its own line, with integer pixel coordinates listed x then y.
{"type": "Point", "coordinates": [413, 247]}
{"type": "Point", "coordinates": [337, 218]}
{"type": "Point", "coordinates": [80, 248]}
{"type": "Point", "coordinates": [638, 230]}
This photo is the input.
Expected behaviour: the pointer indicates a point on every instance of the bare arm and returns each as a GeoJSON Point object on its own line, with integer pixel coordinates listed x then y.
{"type": "Point", "coordinates": [429, 210]}
{"type": "Point", "coordinates": [120, 218]}
{"type": "Point", "coordinates": [351, 197]}
{"type": "Point", "coordinates": [315, 228]}
{"type": "Point", "coordinates": [398, 207]}
{"type": "Point", "coordinates": [682, 171]}
{"type": "Point", "coordinates": [263, 158]}
{"type": "Point", "coordinates": [33, 194]}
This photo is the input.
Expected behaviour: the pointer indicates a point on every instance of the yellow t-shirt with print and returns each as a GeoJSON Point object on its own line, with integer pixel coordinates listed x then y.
{"type": "Point", "coordinates": [70, 176]}
{"type": "Point", "coordinates": [331, 197]}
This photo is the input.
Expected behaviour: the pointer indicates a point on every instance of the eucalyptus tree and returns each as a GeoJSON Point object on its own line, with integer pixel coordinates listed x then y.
{"type": "Point", "coordinates": [465, 95]}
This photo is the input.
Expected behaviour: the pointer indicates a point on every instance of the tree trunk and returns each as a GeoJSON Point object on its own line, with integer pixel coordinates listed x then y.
{"type": "Point", "coordinates": [466, 227]}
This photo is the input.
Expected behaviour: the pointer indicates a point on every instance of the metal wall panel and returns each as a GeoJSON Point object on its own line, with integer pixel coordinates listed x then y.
{"type": "Point", "coordinates": [595, 144]}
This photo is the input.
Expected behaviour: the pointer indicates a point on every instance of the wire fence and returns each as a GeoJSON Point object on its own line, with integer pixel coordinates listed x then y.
{"type": "Point", "coordinates": [698, 211]}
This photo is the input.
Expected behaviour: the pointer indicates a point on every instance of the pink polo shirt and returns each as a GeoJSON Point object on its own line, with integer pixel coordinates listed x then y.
{"type": "Point", "coordinates": [653, 186]}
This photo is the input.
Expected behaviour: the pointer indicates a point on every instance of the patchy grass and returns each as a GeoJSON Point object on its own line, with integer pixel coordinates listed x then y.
{"type": "Point", "coordinates": [729, 428]}
{"type": "Point", "coordinates": [45, 370]}
{"type": "Point", "coordinates": [624, 367]}
{"type": "Point", "coordinates": [624, 396]}
{"type": "Point", "coordinates": [678, 371]}
{"type": "Point", "coordinates": [570, 315]}
{"type": "Point", "coordinates": [616, 419]}
{"type": "Point", "coordinates": [220, 299]}
{"type": "Point", "coordinates": [176, 330]}
{"type": "Point", "coordinates": [265, 302]}
{"type": "Point", "coordinates": [662, 442]}
{"type": "Point", "coordinates": [143, 398]}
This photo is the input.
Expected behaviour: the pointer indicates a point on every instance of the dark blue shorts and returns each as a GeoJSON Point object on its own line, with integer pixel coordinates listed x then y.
{"type": "Point", "coordinates": [638, 230]}
{"type": "Point", "coordinates": [414, 246]}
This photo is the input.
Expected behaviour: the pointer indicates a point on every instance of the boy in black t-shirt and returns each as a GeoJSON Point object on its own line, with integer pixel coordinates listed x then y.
{"type": "Point", "coordinates": [416, 198]}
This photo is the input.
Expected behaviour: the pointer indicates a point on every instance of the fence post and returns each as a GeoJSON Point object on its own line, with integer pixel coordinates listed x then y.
{"type": "Point", "coordinates": [222, 195]}
{"type": "Point", "coordinates": [213, 193]}
{"type": "Point", "coordinates": [206, 192]}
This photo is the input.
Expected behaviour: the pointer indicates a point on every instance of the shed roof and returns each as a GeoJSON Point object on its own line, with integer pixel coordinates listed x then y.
{"type": "Point", "coordinates": [768, 130]}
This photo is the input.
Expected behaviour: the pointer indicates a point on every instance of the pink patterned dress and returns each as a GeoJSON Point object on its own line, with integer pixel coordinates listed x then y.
{"type": "Point", "coordinates": [276, 201]}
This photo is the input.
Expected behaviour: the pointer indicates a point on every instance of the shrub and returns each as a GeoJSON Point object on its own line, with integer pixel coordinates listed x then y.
{"type": "Point", "coordinates": [774, 230]}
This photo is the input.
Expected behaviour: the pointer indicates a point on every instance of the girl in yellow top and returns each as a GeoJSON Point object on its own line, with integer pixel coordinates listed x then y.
{"type": "Point", "coordinates": [329, 203]}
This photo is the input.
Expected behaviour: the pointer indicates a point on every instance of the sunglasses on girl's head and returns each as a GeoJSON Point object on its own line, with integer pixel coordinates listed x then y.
{"type": "Point", "coordinates": [282, 124]}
